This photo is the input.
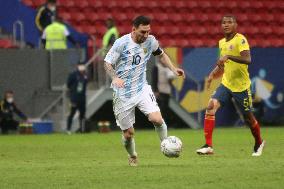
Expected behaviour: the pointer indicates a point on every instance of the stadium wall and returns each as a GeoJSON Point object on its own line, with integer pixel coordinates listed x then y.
{"type": "Point", "coordinates": [34, 74]}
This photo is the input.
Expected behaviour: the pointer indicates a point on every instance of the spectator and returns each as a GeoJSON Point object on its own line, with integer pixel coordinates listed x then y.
{"type": "Point", "coordinates": [7, 109]}
{"type": "Point", "coordinates": [45, 14]}
{"type": "Point", "coordinates": [77, 84]}
{"type": "Point", "coordinates": [111, 34]}
{"type": "Point", "coordinates": [55, 36]}
{"type": "Point", "coordinates": [162, 77]}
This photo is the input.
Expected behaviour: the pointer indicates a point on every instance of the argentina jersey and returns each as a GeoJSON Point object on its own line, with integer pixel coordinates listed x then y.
{"type": "Point", "coordinates": [129, 61]}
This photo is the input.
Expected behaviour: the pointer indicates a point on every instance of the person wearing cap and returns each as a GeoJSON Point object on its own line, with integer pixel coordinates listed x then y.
{"type": "Point", "coordinates": [77, 86]}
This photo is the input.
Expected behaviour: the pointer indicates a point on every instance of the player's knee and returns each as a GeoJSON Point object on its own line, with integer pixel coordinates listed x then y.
{"type": "Point", "coordinates": [128, 134]}
{"type": "Point", "coordinates": [156, 119]}
{"type": "Point", "coordinates": [212, 107]}
{"type": "Point", "coordinates": [249, 118]}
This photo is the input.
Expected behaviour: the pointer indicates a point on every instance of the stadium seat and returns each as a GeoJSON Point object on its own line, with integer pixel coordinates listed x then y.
{"type": "Point", "coordinates": [28, 3]}
{"type": "Point", "coordinates": [196, 43]}
{"type": "Point", "coordinates": [67, 4]}
{"type": "Point", "coordinates": [77, 17]}
{"type": "Point", "coordinates": [181, 42]}
{"type": "Point", "coordinates": [38, 3]}
{"type": "Point", "coordinates": [82, 4]}
{"type": "Point", "coordinates": [6, 44]}
{"type": "Point", "coordinates": [65, 16]}
{"type": "Point", "coordinates": [277, 42]}
{"type": "Point", "coordinates": [178, 19]}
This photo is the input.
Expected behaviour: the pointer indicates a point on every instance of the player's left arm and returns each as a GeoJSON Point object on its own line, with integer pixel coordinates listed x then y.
{"type": "Point", "coordinates": [243, 48]}
{"type": "Point", "coordinates": [164, 59]}
{"type": "Point", "coordinates": [244, 58]}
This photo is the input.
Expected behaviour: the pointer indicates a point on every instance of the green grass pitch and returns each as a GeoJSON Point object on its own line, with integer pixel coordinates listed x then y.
{"type": "Point", "coordinates": [98, 161]}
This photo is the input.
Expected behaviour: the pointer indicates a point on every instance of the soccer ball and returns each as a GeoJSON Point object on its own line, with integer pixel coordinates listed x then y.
{"type": "Point", "coordinates": [171, 147]}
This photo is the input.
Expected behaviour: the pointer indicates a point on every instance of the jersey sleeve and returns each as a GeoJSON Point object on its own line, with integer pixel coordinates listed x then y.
{"type": "Point", "coordinates": [243, 44]}
{"type": "Point", "coordinates": [66, 31]}
{"type": "Point", "coordinates": [155, 44]}
{"type": "Point", "coordinates": [113, 54]}
{"type": "Point", "coordinates": [156, 50]}
{"type": "Point", "coordinates": [43, 35]}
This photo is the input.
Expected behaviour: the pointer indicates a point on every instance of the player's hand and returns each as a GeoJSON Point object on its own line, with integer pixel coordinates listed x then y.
{"type": "Point", "coordinates": [209, 80]}
{"type": "Point", "coordinates": [117, 82]}
{"type": "Point", "coordinates": [157, 94]}
{"type": "Point", "coordinates": [179, 72]}
{"type": "Point", "coordinates": [222, 61]}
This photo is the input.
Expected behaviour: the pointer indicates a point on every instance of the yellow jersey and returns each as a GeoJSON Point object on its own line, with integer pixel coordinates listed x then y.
{"type": "Point", "coordinates": [236, 76]}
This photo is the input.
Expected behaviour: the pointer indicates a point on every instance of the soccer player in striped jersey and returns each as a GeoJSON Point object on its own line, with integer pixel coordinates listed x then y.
{"type": "Point", "coordinates": [233, 67]}
{"type": "Point", "coordinates": [126, 63]}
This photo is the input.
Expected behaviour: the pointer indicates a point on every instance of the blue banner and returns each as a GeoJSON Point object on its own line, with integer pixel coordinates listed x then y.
{"type": "Point", "coordinates": [266, 73]}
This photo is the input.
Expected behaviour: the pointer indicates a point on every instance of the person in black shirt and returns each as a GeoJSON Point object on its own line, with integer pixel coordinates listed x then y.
{"type": "Point", "coordinates": [7, 109]}
{"type": "Point", "coordinates": [77, 84]}
{"type": "Point", "coordinates": [45, 14]}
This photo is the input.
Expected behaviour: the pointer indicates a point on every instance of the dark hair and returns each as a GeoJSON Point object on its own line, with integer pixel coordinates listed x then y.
{"type": "Point", "coordinates": [51, 1]}
{"type": "Point", "coordinates": [141, 20]}
{"type": "Point", "coordinates": [230, 16]}
{"type": "Point", "coordinates": [8, 92]}
{"type": "Point", "coordinates": [110, 22]}
{"type": "Point", "coordinates": [80, 63]}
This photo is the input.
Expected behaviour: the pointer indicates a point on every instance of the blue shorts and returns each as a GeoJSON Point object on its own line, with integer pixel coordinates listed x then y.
{"type": "Point", "coordinates": [243, 99]}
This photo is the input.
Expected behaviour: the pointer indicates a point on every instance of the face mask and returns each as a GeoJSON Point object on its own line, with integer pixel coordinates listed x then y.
{"type": "Point", "coordinates": [53, 9]}
{"type": "Point", "coordinates": [81, 68]}
{"type": "Point", "coordinates": [10, 100]}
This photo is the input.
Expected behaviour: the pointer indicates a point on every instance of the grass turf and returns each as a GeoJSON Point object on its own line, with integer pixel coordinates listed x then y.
{"type": "Point", "coordinates": [99, 161]}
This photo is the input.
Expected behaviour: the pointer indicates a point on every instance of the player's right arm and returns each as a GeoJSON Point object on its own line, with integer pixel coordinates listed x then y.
{"type": "Point", "coordinates": [37, 19]}
{"type": "Point", "coordinates": [110, 60]}
{"type": "Point", "coordinates": [215, 73]}
{"type": "Point", "coordinates": [116, 81]}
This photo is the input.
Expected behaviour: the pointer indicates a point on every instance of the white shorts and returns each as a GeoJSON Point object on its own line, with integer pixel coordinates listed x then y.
{"type": "Point", "coordinates": [124, 109]}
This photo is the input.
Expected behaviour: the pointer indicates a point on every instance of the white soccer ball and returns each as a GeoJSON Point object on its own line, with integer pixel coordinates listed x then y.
{"type": "Point", "coordinates": [171, 147]}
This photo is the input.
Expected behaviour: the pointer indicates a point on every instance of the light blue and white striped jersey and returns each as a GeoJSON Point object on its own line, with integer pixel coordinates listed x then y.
{"type": "Point", "coordinates": [129, 61]}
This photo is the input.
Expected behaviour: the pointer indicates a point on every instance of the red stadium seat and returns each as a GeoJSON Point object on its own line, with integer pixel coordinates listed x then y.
{"type": "Point", "coordinates": [6, 44]}
{"type": "Point", "coordinates": [88, 29]}
{"type": "Point", "coordinates": [161, 17]}
{"type": "Point", "coordinates": [67, 4]}
{"type": "Point", "coordinates": [65, 16]}
{"type": "Point", "coordinates": [124, 29]}
{"type": "Point", "coordinates": [77, 17]}
{"type": "Point", "coordinates": [82, 4]}
{"type": "Point", "coordinates": [176, 17]}
{"type": "Point", "coordinates": [28, 3]}
{"type": "Point", "coordinates": [174, 21]}
{"type": "Point", "coordinates": [38, 3]}
{"type": "Point", "coordinates": [180, 6]}
{"type": "Point", "coordinates": [211, 43]}
{"type": "Point", "coordinates": [277, 42]}
{"type": "Point", "coordinates": [252, 42]}
{"type": "Point", "coordinates": [196, 43]}
{"type": "Point", "coordinates": [218, 5]}
{"type": "Point", "coordinates": [181, 42]}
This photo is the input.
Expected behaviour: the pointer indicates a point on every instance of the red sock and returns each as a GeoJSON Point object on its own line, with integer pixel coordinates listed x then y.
{"type": "Point", "coordinates": [255, 130]}
{"type": "Point", "coordinates": [209, 124]}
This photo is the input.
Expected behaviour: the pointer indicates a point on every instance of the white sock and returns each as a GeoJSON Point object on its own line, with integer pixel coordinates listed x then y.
{"type": "Point", "coordinates": [162, 130]}
{"type": "Point", "coordinates": [129, 146]}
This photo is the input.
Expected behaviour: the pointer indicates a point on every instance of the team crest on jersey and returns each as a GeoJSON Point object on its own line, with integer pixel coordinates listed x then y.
{"type": "Point", "coordinates": [145, 50]}
{"type": "Point", "coordinates": [243, 41]}
{"type": "Point", "coordinates": [231, 47]}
